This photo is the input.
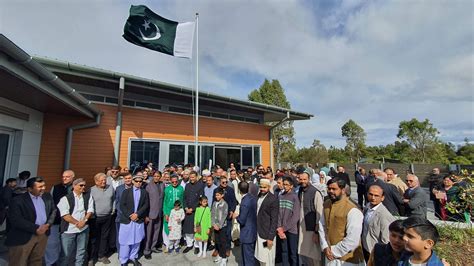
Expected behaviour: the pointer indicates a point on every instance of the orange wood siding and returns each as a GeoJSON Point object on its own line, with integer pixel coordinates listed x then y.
{"type": "Point", "coordinates": [93, 148]}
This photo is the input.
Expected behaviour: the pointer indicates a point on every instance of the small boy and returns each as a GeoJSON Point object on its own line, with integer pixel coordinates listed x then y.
{"type": "Point", "coordinates": [219, 224]}
{"type": "Point", "coordinates": [420, 237]}
{"type": "Point", "coordinates": [390, 253]}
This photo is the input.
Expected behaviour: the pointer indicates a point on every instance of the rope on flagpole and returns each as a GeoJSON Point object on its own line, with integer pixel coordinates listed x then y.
{"type": "Point", "coordinates": [196, 131]}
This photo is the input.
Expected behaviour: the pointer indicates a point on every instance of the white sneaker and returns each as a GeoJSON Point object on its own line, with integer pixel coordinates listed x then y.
{"type": "Point", "coordinates": [204, 254]}
{"type": "Point", "coordinates": [223, 262]}
{"type": "Point", "coordinates": [218, 259]}
{"type": "Point", "coordinates": [199, 254]}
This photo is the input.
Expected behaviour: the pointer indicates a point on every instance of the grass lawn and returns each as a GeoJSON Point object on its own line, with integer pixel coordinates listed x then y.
{"type": "Point", "coordinates": [456, 245]}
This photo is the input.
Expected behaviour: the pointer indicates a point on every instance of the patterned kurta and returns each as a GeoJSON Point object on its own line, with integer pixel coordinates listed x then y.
{"type": "Point", "coordinates": [172, 194]}
{"type": "Point", "coordinates": [175, 220]}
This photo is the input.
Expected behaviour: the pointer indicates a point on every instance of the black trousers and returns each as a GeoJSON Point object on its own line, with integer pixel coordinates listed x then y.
{"type": "Point", "coordinates": [221, 241]}
{"type": "Point", "coordinates": [289, 250]}
{"type": "Point", "coordinates": [99, 237]}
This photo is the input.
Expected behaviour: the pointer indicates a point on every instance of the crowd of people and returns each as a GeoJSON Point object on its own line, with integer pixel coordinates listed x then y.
{"type": "Point", "coordinates": [298, 216]}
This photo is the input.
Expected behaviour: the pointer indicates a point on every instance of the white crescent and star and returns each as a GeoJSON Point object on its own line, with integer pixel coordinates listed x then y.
{"type": "Point", "coordinates": [146, 25]}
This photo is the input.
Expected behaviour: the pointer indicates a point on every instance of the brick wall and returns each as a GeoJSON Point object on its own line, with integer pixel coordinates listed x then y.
{"type": "Point", "coordinates": [92, 149]}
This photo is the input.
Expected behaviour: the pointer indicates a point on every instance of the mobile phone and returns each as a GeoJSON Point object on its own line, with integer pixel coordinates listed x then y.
{"type": "Point", "coordinates": [265, 244]}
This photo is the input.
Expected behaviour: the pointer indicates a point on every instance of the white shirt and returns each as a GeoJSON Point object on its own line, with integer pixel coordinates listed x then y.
{"type": "Point", "coordinates": [355, 219]}
{"type": "Point", "coordinates": [78, 212]}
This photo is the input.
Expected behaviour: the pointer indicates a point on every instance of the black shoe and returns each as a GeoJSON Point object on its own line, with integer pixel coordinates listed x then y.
{"type": "Point", "coordinates": [124, 264]}
{"type": "Point", "coordinates": [148, 256]}
{"type": "Point", "coordinates": [187, 249]}
{"type": "Point", "coordinates": [156, 250]}
{"type": "Point", "coordinates": [196, 251]}
{"type": "Point", "coordinates": [210, 248]}
{"type": "Point", "coordinates": [136, 263]}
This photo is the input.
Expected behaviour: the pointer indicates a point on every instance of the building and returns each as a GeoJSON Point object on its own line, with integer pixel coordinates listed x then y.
{"type": "Point", "coordinates": [58, 115]}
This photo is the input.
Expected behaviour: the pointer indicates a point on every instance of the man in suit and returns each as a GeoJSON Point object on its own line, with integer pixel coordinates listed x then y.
{"type": "Point", "coordinates": [134, 205]}
{"type": "Point", "coordinates": [376, 221]}
{"type": "Point", "coordinates": [267, 222]}
{"type": "Point", "coordinates": [415, 198]}
{"type": "Point", "coordinates": [31, 214]}
{"type": "Point", "coordinates": [156, 194]}
{"type": "Point", "coordinates": [248, 224]}
{"type": "Point", "coordinates": [229, 197]}
{"type": "Point", "coordinates": [341, 174]}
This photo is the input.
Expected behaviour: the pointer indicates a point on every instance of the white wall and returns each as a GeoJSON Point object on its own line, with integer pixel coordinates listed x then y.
{"type": "Point", "coordinates": [26, 137]}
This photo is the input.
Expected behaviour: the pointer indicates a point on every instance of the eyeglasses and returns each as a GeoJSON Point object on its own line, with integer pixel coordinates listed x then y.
{"type": "Point", "coordinates": [409, 181]}
{"type": "Point", "coordinates": [137, 181]}
{"type": "Point", "coordinates": [223, 182]}
{"type": "Point", "coordinates": [82, 185]}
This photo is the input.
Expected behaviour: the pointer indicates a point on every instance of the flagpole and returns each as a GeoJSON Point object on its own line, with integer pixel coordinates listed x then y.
{"type": "Point", "coordinates": [196, 131]}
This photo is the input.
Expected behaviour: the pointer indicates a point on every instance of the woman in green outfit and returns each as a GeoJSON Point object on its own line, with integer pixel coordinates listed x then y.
{"type": "Point", "coordinates": [202, 225]}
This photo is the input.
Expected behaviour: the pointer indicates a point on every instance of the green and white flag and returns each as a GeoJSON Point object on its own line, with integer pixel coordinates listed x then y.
{"type": "Point", "coordinates": [147, 29]}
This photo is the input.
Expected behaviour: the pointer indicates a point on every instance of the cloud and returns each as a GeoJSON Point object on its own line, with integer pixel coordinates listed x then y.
{"type": "Point", "coordinates": [376, 62]}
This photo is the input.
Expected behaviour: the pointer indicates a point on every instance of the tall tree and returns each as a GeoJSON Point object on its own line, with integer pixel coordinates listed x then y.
{"type": "Point", "coordinates": [272, 93]}
{"type": "Point", "coordinates": [355, 139]}
{"type": "Point", "coordinates": [421, 135]}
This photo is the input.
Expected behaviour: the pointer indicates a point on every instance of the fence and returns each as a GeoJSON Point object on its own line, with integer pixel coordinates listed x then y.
{"type": "Point", "coordinates": [423, 171]}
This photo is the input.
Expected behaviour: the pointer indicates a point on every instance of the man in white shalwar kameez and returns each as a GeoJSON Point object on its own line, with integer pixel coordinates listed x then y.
{"type": "Point", "coordinates": [134, 205]}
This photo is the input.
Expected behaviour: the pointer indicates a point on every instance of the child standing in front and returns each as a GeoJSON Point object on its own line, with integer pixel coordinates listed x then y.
{"type": "Point", "coordinates": [420, 237]}
{"type": "Point", "coordinates": [202, 225]}
{"type": "Point", "coordinates": [219, 224]}
{"type": "Point", "coordinates": [174, 225]}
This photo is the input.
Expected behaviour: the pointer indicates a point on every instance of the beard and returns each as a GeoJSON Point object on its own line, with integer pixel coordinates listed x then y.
{"type": "Point", "coordinates": [335, 198]}
{"type": "Point", "coordinates": [262, 194]}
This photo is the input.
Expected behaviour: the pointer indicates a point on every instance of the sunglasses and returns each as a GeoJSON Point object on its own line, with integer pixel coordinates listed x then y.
{"type": "Point", "coordinates": [137, 181]}
{"type": "Point", "coordinates": [82, 185]}
{"type": "Point", "coordinates": [224, 182]}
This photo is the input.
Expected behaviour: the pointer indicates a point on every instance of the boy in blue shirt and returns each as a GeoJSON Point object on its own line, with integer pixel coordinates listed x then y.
{"type": "Point", "coordinates": [420, 238]}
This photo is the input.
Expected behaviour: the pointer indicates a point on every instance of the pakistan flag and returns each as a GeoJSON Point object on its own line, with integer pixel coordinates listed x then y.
{"type": "Point", "coordinates": [147, 29]}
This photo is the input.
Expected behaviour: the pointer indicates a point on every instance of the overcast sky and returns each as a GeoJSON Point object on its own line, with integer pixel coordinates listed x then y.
{"type": "Point", "coordinates": [376, 62]}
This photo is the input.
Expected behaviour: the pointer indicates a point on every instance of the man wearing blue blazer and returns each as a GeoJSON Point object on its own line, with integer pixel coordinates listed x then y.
{"type": "Point", "coordinates": [248, 224]}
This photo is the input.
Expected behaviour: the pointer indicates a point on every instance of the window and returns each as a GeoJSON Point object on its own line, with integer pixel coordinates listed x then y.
{"type": "Point", "coordinates": [207, 155]}
{"type": "Point", "coordinates": [247, 156]}
{"type": "Point", "coordinates": [176, 154]}
{"type": "Point", "coordinates": [143, 152]}
{"type": "Point", "coordinates": [95, 98]}
{"type": "Point", "coordinates": [148, 105]}
{"type": "Point", "coordinates": [179, 110]}
{"type": "Point", "coordinates": [256, 155]}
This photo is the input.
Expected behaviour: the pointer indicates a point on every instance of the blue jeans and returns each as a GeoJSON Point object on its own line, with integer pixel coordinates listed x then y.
{"type": "Point", "coordinates": [74, 243]}
{"type": "Point", "coordinates": [289, 249]}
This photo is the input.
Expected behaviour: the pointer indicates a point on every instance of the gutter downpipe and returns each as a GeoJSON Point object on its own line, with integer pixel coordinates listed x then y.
{"type": "Point", "coordinates": [287, 118]}
{"type": "Point", "coordinates": [70, 131]}
{"type": "Point", "coordinates": [118, 127]}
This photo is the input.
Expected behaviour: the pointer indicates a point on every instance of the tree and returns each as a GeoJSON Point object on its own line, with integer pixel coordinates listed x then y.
{"type": "Point", "coordinates": [355, 139]}
{"type": "Point", "coordinates": [467, 150]}
{"type": "Point", "coordinates": [420, 135]}
{"type": "Point", "coordinates": [272, 93]}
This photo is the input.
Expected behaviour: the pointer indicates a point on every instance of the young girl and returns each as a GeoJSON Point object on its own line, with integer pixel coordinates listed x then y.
{"type": "Point", "coordinates": [174, 226]}
{"type": "Point", "coordinates": [202, 225]}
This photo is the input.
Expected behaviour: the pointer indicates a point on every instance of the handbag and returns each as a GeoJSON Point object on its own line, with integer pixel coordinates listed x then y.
{"type": "Point", "coordinates": [198, 225]}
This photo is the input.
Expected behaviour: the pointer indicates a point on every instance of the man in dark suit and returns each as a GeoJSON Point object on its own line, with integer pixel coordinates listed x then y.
{"type": "Point", "coordinates": [155, 190]}
{"type": "Point", "coordinates": [248, 224]}
{"type": "Point", "coordinates": [267, 221]}
{"type": "Point", "coordinates": [31, 214]}
{"type": "Point", "coordinates": [341, 174]}
{"type": "Point", "coordinates": [134, 205]}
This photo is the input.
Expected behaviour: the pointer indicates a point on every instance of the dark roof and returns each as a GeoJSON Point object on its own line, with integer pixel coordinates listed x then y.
{"type": "Point", "coordinates": [271, 113]}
